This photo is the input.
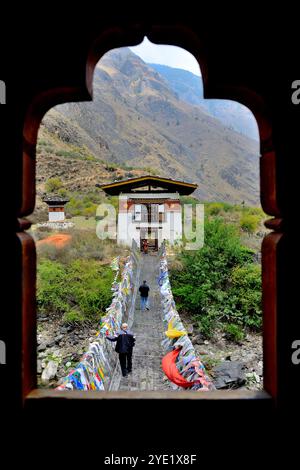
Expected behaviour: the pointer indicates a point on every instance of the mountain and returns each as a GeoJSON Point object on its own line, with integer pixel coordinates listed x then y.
{"type": "Point", "coordinates": [137, 119]}
{"type": "Point", "coordinates": [63, 156]}
{"type": "Point", "coordinates": [189, 88]}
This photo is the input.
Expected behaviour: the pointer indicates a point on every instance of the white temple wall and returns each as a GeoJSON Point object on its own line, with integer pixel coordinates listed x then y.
{"type": "Point", "coordinates": [128, 229]}
{"type": "Point", "coordinates": [56, 216]}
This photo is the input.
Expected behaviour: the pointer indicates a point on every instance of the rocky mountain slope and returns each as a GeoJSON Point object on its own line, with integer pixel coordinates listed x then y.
{"type": "Point", "coordinates": [137, 119]}
{"type": "Point", "coordinates": [189, 88]}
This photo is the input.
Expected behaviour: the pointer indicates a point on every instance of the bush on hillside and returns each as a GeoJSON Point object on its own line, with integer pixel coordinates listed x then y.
{"type": "Point", "coordinates": [234, 332]}
{"type": "Point", "coordinates": [84, 204]}
{"type": "Point", "coordinates": [214, 208]}
{"type": "Point", "coordinates": [53, 184]}
{"type": "Point", "coordinates": [249, 223]}
{"type": "Point", "coordinates": [219, 283]}
{"type": "Point", "coordinates": [79, 291]}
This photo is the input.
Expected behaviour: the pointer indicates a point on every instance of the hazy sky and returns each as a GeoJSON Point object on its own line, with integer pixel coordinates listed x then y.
{"type": "Point", "coordinates": [168, 55]}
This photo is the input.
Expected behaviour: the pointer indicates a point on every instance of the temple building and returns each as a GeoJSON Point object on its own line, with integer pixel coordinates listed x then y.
{"type": "Point", "coordinates": [56, 208]}
{"type": "Point", "coordinates": [149, 209]}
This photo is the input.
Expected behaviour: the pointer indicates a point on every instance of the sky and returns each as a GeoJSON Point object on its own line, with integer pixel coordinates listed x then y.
{"type": "Point", "coordinates": [167, 55]}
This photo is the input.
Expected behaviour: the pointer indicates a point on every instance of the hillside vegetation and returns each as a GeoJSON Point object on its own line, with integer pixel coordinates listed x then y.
{"type": "Point", "coordinates": [69, 170]}
{"type": "Point", "coordinates": [74, 281]}
{"type": "Point", "coordinates": [219, 286]}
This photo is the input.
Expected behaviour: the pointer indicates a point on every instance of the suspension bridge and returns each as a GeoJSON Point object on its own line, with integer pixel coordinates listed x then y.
{"type": "Point", "coordinates": [163, 356]}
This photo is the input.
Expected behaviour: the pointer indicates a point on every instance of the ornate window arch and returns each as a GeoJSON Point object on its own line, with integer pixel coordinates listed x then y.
{"type": "Point", "coordinates": [79, 88]}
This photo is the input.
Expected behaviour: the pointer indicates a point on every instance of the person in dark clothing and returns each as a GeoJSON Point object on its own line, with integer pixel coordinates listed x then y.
{"type": "Point", "coordinates": [125, 342]}
{"type": "Point", "coordinates": [145, 246]}
{"type": "Point", "coordinates": [144, 291]}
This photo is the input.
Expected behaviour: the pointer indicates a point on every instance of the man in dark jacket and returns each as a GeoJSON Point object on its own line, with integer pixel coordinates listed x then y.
{"type": "Point", "coordinates": [125, 342]}
{"type": "Point", "coordinates": [144, 291]}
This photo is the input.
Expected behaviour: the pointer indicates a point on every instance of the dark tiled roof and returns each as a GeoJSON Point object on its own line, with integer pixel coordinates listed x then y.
{"type": "Point", "coordinates": [55, 199]}
{"type": "Point", "coordinates": [170, 185]}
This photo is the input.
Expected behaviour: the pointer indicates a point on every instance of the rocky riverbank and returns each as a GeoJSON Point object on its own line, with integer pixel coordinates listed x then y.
{"type": "Point", "coordinates": [60, 348]}
{"type": "Point", "coordinates": [232, 365]}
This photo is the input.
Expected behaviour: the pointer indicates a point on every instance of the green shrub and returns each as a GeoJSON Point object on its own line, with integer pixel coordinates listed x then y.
{"type": "Point", "coordinates": [51, 283]}
{"type": "Point", "coordinates": [217, 208]}
{"type": "Point", "coordinates": [249, 222]}
{"type": "Point", "coordinates": [90, 211]}
{"type": "Point", "coordinates": [255, 211]}
{"type": "Point", "coordinates": [227, 207]}
{"type": "Point", "coordinates": [43, 142]}
{"type": "Point", "coordinates": [84, 204]}
{"type": "Point", "coordinates": [53, 184]}
{"type": "Point", "coordinates": [63, 192]}
{"type": "Point", "coordinates": [206, 323]}
{"type": "Point", "coordinates": [78, 291]}
{"type": "Point", "coordinates": [234, 332]}
{"type": "Point", "coordinates": [219, 283]}
{"type": "Point", "coordinates": [245, 295]}
{"type": "Point", "coordinates": [72, 317]}
{"type": "Point", "coordinates": [214, 208]}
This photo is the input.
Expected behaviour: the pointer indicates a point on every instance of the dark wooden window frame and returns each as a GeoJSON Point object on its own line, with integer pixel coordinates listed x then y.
{"type": "Point", "coordinates": [110, 38]}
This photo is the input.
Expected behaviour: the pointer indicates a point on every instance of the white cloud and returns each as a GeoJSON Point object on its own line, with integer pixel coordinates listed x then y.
{"type": "Point", "coordinates": [167, 55]}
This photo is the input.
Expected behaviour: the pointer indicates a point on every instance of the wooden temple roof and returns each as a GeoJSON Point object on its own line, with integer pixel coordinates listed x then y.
{"type": "Point", "coordinates": [55, 200]}
{"type": "Point", "coordinates": [127, 186]}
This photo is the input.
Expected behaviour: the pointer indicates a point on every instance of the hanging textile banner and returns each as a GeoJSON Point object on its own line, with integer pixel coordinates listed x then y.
{"type": "Point", "coordinates": [181, 365]}
{"type": "Point", "coordinates": [170, 369]}
{"type": "Point", "coordinates": [172, 332]}
{"type": "Point", "coordinates": [95, 369]}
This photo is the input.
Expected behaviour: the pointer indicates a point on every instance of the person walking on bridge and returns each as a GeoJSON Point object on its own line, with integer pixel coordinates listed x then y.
{"type": "Point", "coordinates": [125, 343]}
{"type": "Point", "coordinates": [145, 246]}
{"type": "Point", "coordinates": [144, 291]}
